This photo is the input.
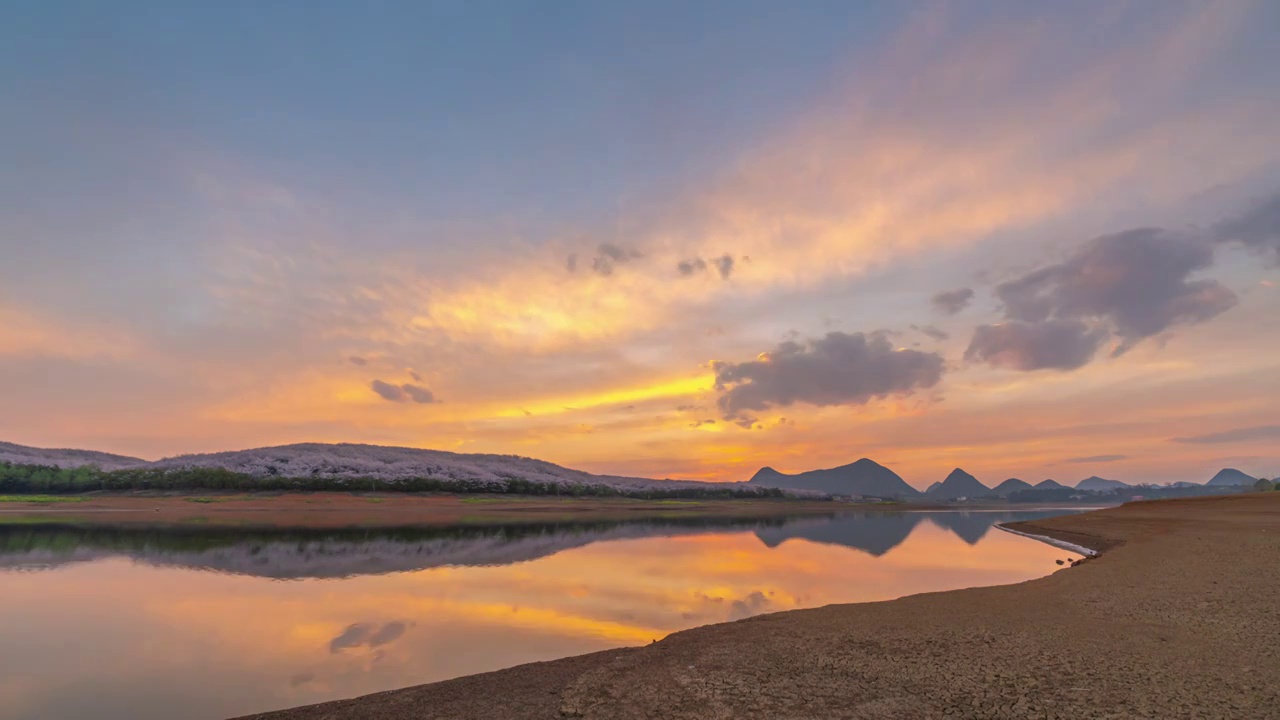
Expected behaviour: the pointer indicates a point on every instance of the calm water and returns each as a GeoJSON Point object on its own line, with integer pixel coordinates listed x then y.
{"type": "Point", "coordinates": [118, 623]}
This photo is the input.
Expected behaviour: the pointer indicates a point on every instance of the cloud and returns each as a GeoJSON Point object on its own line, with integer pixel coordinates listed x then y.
{"type": "Point", "coordinates": [414, 374]}
{"type": "Point", "coordinates": [953, 301]}
{"type": "Point", "coordinates": [357, 360]}
{"type": "Point", "coordinates": [388, 391]}
{"type": "Point", "coordinates": [1244, 434]}
{"type": "Point", "coordinates": [367, 634]}
{"type": "Point", "coordinates": [1137, 279]}
{"type": "Point", "coordinates": [689, 267]}
{"type": "Point", "coordinates": [1095, 459]}
{"type": "Point", "coordinates": [753, 604]}
{"type": "Point", "coordinates": [387, 633]}
{"type": "Point", "coordinates": [931, 331]}
{"type": "Point", "coordinates": [418, 394]}
{"type": "Point", "coordinates": [1056, 344]}
{"type": "Point", "coordinates": [610, 255]}
{"type": "Point", "coordinates": [815, 202]}
{"type": "Point", "coordinates": [837, 369]}
{"type": "Point", "coordinates": [1258, 227]}
{"type": "Point", "coordinates": [353, 636]}
{"type": "Point", "coordinates": [571, 263]}
{"type": "Point", "coordinates": [402, 393]}
{"type": "Point", "coordinates": [1135, 283]}
{"type": "Point", "coordinates": [613, 252]}
{"type": "Point", "coordinates": [723, 265]}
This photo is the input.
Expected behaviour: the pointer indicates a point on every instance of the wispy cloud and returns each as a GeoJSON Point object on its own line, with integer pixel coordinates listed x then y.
{"type": "Point", "coordinates": [1245, 434]}
{"type": "Point", "coordinates": [1095, 459]}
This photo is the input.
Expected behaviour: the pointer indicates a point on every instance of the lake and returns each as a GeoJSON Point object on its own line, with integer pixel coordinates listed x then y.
{"type": "Point", "coordinates": [118, 622]}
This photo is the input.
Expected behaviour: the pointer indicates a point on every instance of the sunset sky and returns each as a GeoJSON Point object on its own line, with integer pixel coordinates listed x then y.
{"type": "Point", "coordinates": [664, 239]}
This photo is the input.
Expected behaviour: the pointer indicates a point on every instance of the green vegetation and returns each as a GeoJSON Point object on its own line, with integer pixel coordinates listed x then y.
{"type": "Point", "coordinates": [1264, 485]}
{"type": "Point", "coordinates": [218, 499]}
{"type": "Point", "coordinates": [50, 480]}
{"type": "Point", "coordinates": [41, 498]}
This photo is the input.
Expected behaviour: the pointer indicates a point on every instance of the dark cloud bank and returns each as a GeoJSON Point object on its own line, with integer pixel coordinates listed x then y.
{"type": "Point", "coordinates": [837, 369]}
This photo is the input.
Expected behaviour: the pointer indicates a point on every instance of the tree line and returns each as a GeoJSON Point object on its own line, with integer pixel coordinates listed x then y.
{"type": "Point", "coordinates": [21, 479]}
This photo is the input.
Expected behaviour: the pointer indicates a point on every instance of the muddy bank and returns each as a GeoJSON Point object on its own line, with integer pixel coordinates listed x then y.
{"type": "Point", "coordinates": [1176, 618]}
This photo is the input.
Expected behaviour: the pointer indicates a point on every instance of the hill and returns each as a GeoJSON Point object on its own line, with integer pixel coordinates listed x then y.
{"type": "Point", "coordinates": [1231, 477]}
{"type": "Point", "coordinates": [320, 466]}
{"type": "Point", "coordinates": [1097, 484]}
{"type": "Point", "coordinates": [959, 484]}
{"type": "Point", "coordinates": [1010, 486]}
{"type": "Point", "coordinates": [1050, 485]}
{"type": "Point", "coordinates": [864, 477]}
{"type": "Point", "coordinates": [23, 455]}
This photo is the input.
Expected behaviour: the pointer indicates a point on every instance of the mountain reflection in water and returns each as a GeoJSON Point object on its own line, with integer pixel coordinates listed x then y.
{"type": "Point", "coordinates": [116, 621]}
{"type": "Point", "coordinates": [339, 553]}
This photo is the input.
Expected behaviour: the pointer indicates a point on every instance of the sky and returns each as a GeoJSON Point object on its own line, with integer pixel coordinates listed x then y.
{"type": "Point", "coordinates": [662, 239]}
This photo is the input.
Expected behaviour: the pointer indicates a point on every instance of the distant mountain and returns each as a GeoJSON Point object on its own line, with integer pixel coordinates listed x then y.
{"type": "Point", "coordinates": [1097, 484]}
{"type": "Point", "coordinates": [1183, 484]}
{"type": "Point", "coordinates": [959, 484]}
{"type": "Point", "coordinates": [1050, 485]}
{"type": "Point", "coordinates": [23, 455]}
{"type": "Point", "coordinates": [864, 477]}
{"type": "Point", "coordinates": [1010, 486]}
{"type": "Point", "coordinates": [1231, 476]}
{"type": "Point", "coordinates": [933, 487]}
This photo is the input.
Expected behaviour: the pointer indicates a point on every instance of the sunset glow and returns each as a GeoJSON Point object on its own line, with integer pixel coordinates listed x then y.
{"type": "Point", "coordinates": [927, 234]}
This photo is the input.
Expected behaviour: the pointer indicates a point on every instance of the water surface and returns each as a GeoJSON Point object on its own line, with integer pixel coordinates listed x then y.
{"type": "Point", "coordinates": [111, 622]}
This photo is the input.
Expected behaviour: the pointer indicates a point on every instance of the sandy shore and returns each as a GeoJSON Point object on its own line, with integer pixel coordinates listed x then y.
{"type": "Point", "coordinates": [1178, 618]}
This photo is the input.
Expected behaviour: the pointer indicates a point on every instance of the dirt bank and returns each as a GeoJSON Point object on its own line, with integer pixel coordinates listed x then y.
{"type": "Point", "coordinates": [1178, 618]}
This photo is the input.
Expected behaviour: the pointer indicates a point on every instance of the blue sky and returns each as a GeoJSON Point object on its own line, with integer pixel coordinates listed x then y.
{"type": "Point", "coordinates": [221, 223]}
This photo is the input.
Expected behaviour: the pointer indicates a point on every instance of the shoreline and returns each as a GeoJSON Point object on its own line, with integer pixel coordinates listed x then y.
{"type": "Point", "coordinates": [1175, 618]}
{"type": "Point", "coordinates": [375, 509]}
{"type": "Point", "coordinates": [1048, 540]}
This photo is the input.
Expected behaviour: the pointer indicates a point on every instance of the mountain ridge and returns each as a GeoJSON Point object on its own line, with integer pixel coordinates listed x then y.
{"type": "Point", "coordinates": [864, 477]}
{"type": "Point", "coordinates": [1098, 484]}
{"type": "Point", "coordinates": [958, 484]}
{"type": "Point", "coordinates": [1229, 477]}
{"type": "Point", "coordinates": [1010, 486]}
